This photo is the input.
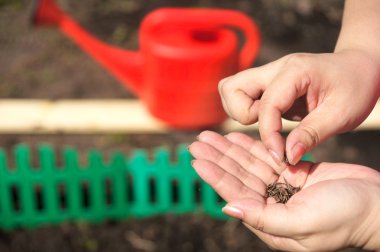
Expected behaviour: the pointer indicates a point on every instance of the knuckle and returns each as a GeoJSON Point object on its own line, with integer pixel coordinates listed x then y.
{"type": "Point", "coordinates": [243, 189]}
{"type": "Point", "coordinates": [225, 87]}
{"type": "Point", "coordinates": [312, 136]}
{"type": "Point", "coordinates": [220, 86]}
{"type": "Point", "coordinates": [297, 60]}
{"type": "Point", "coordinates": [252, 167]}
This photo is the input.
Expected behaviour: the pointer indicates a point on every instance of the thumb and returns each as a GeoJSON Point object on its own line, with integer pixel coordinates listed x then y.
{"type": "Point", "coordinates": [317, 126]}
{"type": "Point", "coordinates": [275, 219]}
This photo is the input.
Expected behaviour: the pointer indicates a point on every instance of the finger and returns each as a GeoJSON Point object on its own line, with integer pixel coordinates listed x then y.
{"type": "Point", "coordinates": [274, 219]}
{"type": "Point", "coordinates": [295, 175]}
{"type": "Point", "coordinates": [205, 151]}
{"type": "Point", "coordinates": [225, 107]}
{"type": "Point", "coordinates": [225, 184]}
{"type": "Point", "coordinates": [313, 129]}
{"type": "Point", "coordinates": [278, 98]}
{"type": "Point", "coordinates": [256, 148]}
{"type": "Point", "coordinates": [240, 105]}
{"type": "Point", "coordinates": [241, 92]}
{"type": "Point", "coordinates": [250, 163]}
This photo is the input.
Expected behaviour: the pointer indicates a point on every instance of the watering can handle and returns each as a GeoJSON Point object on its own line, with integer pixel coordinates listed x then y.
{"type": "Point", "coordinates": [214, 18]}
{"type": "Point", "coordinates": [250, 48]}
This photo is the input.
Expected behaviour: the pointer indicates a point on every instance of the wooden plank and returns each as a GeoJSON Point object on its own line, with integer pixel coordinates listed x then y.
{"type": "Point", "coordinates": [76, 116]}
{"type": "Point", "coordinates": [104, 116]}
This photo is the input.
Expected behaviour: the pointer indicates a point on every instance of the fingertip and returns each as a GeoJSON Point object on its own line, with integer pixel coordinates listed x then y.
{"type": "Point", "coordinates": [197, 163]}
{"type": "Point", "coordinates": [192, 148]}
{"type": "Point", "coordinates": [199, 149]}
{"type": "Point", "coordinates": [233, 212]}
{"type": "Point", "coordinates": [189, 148]}
{"type": "Point", "coordinates": [206, 135]}
{"type": "Point", "coordinates": [296, 153]}
{"type": "Point", "coordinates": [299, 141]}
{"type": "Point", "coordinates": [276, 147]}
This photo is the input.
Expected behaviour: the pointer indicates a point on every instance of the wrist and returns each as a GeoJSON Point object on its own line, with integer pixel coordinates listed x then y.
{"type": "Point", "coordinates": [362, 55]}
{"type": "Point", "coordinates": [367, 64]}
{"type": "Point", "coordinates": [371, 226]}
{"type": "Point", "coordinates": [374, 240]}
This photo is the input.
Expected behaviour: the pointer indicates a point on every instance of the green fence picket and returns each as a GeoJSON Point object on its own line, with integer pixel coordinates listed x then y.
{"type": "Point", "coordinates": [72, 183]}
{"type": "Point", "coordinates": [162, 174]}
{"type": "Point", "coordinates": [49, 172]}
{"type": "Point", "coordinates": [96, 190]}
{"type": "Point", "coordinates": [25, 186]}
{"type": "Point", "coordinates": [118, 171]}
{"type": "Point", "coordinates": [138, 169]}
{"type": "Point", "coordinates": [6, 211]}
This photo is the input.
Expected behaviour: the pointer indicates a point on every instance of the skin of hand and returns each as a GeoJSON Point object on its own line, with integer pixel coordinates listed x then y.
{"type": "Point", "coordinates": [328, 93]}
{"type": "Point", "coordinates": [337, 206]}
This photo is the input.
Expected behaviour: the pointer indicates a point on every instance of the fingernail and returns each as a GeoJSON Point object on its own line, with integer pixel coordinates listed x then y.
{"type": "Point", "coordinates": [192, 162]}
{"type": "Point", "coordinates": [275, 156]}
{"type": "Point", "coordinates": [233, 212]}
{"type": "Point", "coordinates": [296, 153]}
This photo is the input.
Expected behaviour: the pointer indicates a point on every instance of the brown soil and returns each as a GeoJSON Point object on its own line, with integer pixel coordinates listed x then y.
{"type": "Point", "coordinates": [44, 64]}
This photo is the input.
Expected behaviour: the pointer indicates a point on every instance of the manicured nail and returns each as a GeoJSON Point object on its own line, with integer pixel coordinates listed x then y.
{"type": "Point", "coordinates": [233, 212]}
{"type": "Point", "coordinates": [275, 157]}
{"type": "Point", "coordinates": [297, 152]}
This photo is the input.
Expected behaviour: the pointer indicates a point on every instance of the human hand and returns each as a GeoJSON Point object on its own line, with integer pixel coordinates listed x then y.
{"type": "Point", "coordinates": [337, 206]}
{"type": "Point", "coordinates": [330, 93]}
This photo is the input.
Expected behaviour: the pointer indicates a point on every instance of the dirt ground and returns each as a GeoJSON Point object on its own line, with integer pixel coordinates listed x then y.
{"type": "Point", "coordinates": [41, 63]}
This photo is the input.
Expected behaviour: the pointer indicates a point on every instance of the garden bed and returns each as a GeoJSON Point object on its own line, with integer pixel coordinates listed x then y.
{"type": "Point", "coordinates": [43, 64]}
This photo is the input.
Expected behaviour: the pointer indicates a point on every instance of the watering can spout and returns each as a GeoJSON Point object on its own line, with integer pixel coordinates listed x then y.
{"type": "Point", "coordinates": [125, 65]}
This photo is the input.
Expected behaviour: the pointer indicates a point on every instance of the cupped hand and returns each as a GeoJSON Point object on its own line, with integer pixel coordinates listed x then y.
{"type": "Point", "coordinates": [337, 206]}
{"type": "Point", "coordinates": [328, 93]}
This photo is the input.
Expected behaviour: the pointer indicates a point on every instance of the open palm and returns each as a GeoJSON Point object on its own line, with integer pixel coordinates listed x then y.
{"type": "Point", "coordinates": [334, 209]}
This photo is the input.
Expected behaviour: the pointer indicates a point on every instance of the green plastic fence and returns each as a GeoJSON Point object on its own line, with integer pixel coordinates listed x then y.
{"type": "Point", "coordinates": [120, 188]}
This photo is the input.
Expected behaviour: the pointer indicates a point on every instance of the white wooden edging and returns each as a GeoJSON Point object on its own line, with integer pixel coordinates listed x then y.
{"type": "Point", "coordinates": [104, 116]}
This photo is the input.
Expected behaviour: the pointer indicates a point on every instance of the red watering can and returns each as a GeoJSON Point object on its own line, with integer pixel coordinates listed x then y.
{"type": "Point", "coordinates": [183, 54]}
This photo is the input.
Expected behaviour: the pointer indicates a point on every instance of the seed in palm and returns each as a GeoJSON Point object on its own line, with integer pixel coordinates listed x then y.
{"type": "Point", "coordinates": [281, 192]}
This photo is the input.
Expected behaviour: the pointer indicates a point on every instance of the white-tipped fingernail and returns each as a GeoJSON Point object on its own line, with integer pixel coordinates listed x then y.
{"type": "Point", "coordinates": [233, 212]}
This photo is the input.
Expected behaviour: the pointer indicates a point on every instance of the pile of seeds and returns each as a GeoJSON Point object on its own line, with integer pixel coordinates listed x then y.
{"type": "Point", "coordinates": [281, 192]}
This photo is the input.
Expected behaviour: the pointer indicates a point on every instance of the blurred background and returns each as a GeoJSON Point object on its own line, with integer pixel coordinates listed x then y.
{"type": "Point", "coordinates": [43, 64]}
